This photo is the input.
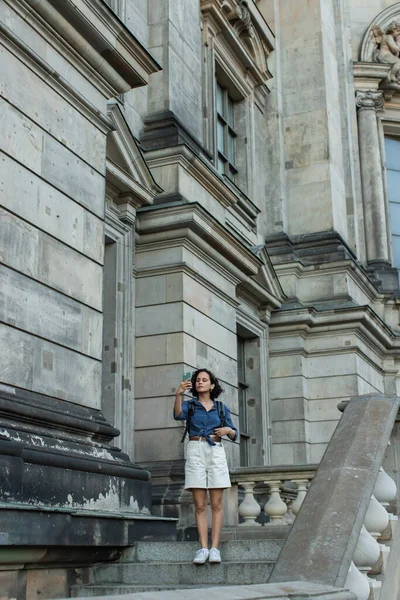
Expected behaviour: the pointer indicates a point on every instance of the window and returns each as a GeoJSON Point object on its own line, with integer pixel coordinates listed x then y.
{"type": "Point", "coordinates": [392, 147]}
{"type": "Point", "coordinates": [226, 136]}
{"type": "Point", "coordinates": [242, 396]}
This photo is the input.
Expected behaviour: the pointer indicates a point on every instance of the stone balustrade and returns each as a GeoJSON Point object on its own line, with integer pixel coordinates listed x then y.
{"type": "Point", "coordinates": [367, 570]}
{"type": "Point", "coordinates": [278, 492]}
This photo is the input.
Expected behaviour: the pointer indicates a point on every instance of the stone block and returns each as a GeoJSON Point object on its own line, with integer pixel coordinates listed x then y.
{"type": "Point", "coordinates": [339, 364]}
{"type": "Point", "coordinates": [316, 452]}
{"type": "Point", "coordinates": [322, 410]}
{"type": "Point", "coordinates": [286, 409]}
{"type": "Point", "coordinates": [158, 381]}
{"type": "Point", "coordinates": [47, 583]}
{"type": "Point", "coordinates": [159, 289]}
{"type": "Point", "coordinates": [284, 432]}
{"type": "Point", "coordinates": [209, 303]}
{"type": "Point", "coordinates": [321, 432]}
{"type": "Point", "coordinates": [25, 141]}
{"type": "Point", "coordinates": [40, 366]}
{"type": "Point", "coordinates": [35, 308]}
{"type": "Point", "coordinates": [49, 54]}
{"type": "Point", "coordinates": [155, 413]}
{"type": "Point", "coordinates": [150, 258]}
{"type": "Point", "coordinates": [50, 210]}
{"type": "Point", "coordinates": [286, 365]}
{"type": "Point", "coordinates": [209, 331]}
{"type": "Point", "coordinates": [12, 584]}
{"type": "Point", "coordinates": [159, 350]}
{"type": "Point", "coordinates": [32, 252]}
{"type": "Point", "coordinates": [202, 355]}
{"type": "Point", "coordinates": [288, 387]}
{"type": "Point", "coordinates": [22, 88]}
{"type": "Point", "coordinates": [370, 374]}
{"type": "Point", "coordinates": [289, 454]}
{"type": "Point", "coordinates": [190, 188]}
{"type": "Point", "coordinates": [342, 386]}
{"type": "Point", "coordinates": [159, 319]}
{"type": "Point", "coordinates": [165, 446]}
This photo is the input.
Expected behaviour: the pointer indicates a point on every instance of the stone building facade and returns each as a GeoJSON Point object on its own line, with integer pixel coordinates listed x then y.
{"type": "Point", "coordinates": [185, 183]}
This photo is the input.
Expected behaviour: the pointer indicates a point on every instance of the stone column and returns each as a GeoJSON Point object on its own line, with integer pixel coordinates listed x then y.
{"type": "Point", "coordinates": [371, 175]}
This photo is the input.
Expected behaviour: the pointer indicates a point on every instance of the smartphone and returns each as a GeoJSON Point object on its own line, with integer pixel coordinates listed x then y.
{"type": "Point", "coordinates": [186, 376]}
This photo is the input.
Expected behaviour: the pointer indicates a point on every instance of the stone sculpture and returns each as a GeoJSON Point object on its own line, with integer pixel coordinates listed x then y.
{"type": "Point", "coordinates": [387, 48]}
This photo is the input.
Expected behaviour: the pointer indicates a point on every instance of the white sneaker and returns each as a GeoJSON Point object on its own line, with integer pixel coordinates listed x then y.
{"type": "Point", "coordinates": [215, 556]}
{"type": "Point", "coordinates": [201, 556]}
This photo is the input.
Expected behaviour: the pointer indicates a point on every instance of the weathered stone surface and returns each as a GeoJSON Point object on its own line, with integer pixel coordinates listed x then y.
{"type": "Point", "coordinates": [33, 147]}
{"type": "Point", "coordinates": [40, 204]}
{"type": "Point", "coordinates": [267, 591]}
{"type": "Point", "coordinates": [27, 92]}
{"type": "Point", "coordinates": [44, 367]}
{"type": "Point", "coordinates": [35, 308]}
{"type": "Point", "coordinates": [36, 254]}
{"type": "Point", "coordinates": [329, 522]}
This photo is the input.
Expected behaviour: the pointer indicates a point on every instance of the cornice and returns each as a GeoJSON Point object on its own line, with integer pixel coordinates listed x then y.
{"type": "Point", "coordinates": [311, 321]}
{"type": "Point", "coordinates": [349, 267]}
{"type": "Point", "coordinates": [53, 79]}
{"type": "Point", "coordinates": [202, 173]}
{"type": "Point", "coordinates": [244, 28]}
{"type": "Point", "coordinates": [191, 221]}
{"type": "Point", "coordinates": [172, 269]}
{"type": "Point", "coordinates": [197, 219]}
{"type": "Point", "coordinates": [92, 32]}
{"type": "Point", "coordinates": [132, 177]}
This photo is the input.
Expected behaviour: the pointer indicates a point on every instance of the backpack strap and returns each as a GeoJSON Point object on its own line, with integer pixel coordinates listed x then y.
{"type": "Point", "coordinates": [221, 412]}
{"type": "Point", "coordinates": [188, 419]}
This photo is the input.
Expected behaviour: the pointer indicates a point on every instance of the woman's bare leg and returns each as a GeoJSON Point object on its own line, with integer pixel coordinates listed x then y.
{"type": "Point", "coordinates": [200, 504]}
{"type": "Point", "coordinates": [217, 511]}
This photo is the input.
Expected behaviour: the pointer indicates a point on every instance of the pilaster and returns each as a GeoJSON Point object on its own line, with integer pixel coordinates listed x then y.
{"type": "Point", "coordinates": [368, 103]}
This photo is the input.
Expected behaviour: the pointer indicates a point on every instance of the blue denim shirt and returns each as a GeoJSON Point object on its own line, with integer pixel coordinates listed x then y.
{"type": "Point", "coordinates": [204, 423]}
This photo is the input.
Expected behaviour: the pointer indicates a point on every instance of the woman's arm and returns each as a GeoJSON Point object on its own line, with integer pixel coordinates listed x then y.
{"type": "Point", "coordinates": [183, 386]}
{"type": "Point", "coordinates": [230, 430]}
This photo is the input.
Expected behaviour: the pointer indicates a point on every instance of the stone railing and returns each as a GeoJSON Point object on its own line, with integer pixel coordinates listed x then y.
{"type": "Point", "coordinates": [278, 492]}
{"type": "Point", "coordinates": [342, 534]}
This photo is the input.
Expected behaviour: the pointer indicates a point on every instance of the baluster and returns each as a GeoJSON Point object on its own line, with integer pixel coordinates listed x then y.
{"type": "Point", "coordinates": [366, 555]}
{"type": "Point", "coordinates": [289, 516]}
{"type": "Point", "coordinates": [249, 509]}
{"type": "Point", "coordinates": [356, 583]}
{"type": "Point", "coordinates": [275, 508]}
{"type": "Point", "coordinates": [302, 486]}
{"type": "Point", "coordinates": [385, 489]}
{"type": "Point", "coordinates": [376, 519]}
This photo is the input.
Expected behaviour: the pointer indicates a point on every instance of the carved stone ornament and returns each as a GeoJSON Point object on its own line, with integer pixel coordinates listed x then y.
{"type": "Point", "coordinates": [370, 99]}
{"type": "Point", "coordinates": [381, 44]}
{"type": "Point", "coordinates": [387, 48]}
{"type": "Point", "coordinates": [236, 17]}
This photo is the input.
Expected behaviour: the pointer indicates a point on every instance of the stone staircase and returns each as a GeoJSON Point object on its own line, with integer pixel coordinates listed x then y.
{"type": "Point", "coordinates": [153, 566]}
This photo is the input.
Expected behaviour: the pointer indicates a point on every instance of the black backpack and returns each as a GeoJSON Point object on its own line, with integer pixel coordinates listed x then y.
{"type": "Point", "coordinates": [221, 414]}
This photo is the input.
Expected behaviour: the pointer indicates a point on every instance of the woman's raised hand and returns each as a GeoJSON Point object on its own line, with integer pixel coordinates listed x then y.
{"type": "Point", "coordinates": [184, 386]}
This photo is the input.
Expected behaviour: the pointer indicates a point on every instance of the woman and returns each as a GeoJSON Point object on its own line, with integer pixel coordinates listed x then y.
{"type": "Point", "coordinates": [206, 467]}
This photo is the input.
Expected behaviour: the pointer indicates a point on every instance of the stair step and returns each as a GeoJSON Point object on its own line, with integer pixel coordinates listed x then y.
{"type": "Point", "coordinates": [163, 573]}
{"type": "Point", "coordinates": [246, 550]}
{"type": "Point", "coordinates": [91, 591]}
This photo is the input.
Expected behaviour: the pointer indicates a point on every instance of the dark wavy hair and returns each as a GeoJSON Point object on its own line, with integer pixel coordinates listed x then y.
{"type": "Point", "coordinates": [217, 391]}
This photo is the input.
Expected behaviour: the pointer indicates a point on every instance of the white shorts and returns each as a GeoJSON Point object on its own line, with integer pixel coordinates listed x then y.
{"type": "Point", "coordinates": [206, 466]}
